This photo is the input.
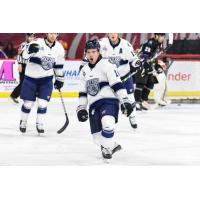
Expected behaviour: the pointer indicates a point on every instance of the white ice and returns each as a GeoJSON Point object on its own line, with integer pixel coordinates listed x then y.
{"type": "Point", "coordinates": [166, 136]}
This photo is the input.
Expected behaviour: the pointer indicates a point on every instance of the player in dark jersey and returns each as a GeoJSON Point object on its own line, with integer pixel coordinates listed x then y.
{"type": "Point", "coordinates": [145, 77]}
{"type": "Point", "coordinates": [21, 67]}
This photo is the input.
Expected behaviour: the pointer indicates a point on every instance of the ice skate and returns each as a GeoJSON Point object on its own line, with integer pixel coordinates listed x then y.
{"type": "Point", "coordinates": [138, 106]}
{"type": "Point", "coordinates": [106, 152]}
{"type": "Point", "coordinates": [145, 105]}
{"type": "Point", "coordinates": [132, 121]}
{"type": "Point", "coordinates": [162, 103]}
{"type": "Point", "coordinates": [40, 129]}
{"type": "Point", "coordinates": [22, 126]}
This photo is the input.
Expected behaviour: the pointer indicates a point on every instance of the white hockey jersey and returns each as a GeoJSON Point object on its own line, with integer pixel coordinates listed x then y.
{"type": "Point", "coordinates": [45, 61]}
{"type": "Point", "coordinates": [101, 82]}
{"type": "Point", "coordinates": [120, 54]}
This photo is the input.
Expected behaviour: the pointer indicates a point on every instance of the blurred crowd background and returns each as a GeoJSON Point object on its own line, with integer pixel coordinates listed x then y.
{"type": "Point", "coordinates": [73, 43]}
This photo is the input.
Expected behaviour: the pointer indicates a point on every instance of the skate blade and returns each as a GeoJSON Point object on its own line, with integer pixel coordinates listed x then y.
{"type": "Point", "coordinates": [106, 161]}
{"type": "Point", "coordinates": [42, 134]}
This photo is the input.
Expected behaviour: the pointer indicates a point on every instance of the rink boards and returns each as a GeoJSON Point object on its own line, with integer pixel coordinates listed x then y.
{"type": "Point", "coordinates": [183, 78]}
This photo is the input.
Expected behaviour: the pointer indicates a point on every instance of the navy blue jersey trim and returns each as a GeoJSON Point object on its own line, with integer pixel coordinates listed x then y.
{"type": "Point", "coordinates": [35, 60]}
{"type": "Point", "coordinates": [58, 66]}
{"type": "Point", "coordinates": [82, 94]}
{"type": "Point", "coordinates": [117, 86]}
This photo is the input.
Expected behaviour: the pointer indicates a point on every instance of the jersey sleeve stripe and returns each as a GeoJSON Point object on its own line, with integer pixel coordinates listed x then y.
{"type": "Point", "coordinates": [123, 62]}
{"type": "Point", "coordinates": [58, 66]}
{"type": "Point", "coordinates": [118, 86]}
{"type": "Point", "coordinates": [35, 60]}
{"type": "Point", "coordinates": [103, 84]}
{"type": "Point", "coordinates": [82, 94]}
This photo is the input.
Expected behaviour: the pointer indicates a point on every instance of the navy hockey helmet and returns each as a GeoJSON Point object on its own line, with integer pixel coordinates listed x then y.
{"type": "Point", "coordinates": [161, 34]}
{"type": "Point", "coordinates": [92, 44]}
{"type": "Point", "coordinates": [30, 34]}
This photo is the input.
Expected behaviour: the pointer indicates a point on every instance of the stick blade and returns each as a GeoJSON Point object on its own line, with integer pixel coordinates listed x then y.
{"type": "Point", "coordinates": [64, 126]}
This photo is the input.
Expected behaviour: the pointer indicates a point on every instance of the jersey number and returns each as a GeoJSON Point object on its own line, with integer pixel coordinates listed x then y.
{"type": "Point", "coordinates": [116, 73]}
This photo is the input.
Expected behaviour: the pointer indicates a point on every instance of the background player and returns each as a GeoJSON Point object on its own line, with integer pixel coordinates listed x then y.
{"type": "Point", "coordinates": [145, 78]}
{"type": "Point", "coordinates": [45, 57]}
{"type": "Point", "coordinates": [21, 66]}
{"type": "Point", "coordinates": [120, 52]}
{"type": "Point", "coordinates": [101, 88]}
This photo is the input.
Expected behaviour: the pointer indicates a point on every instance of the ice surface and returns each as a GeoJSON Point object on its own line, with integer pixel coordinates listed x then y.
{"type": "Point", "coordinates": [166, 136]}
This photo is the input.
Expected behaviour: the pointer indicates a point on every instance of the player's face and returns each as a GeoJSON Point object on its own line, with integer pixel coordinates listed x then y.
{"type": "Point", "coordinates": [161, 38]}
{"type": "Point", "coordinates": [113, 37]}
{"type": "Point", "coordinates": [30, 38]}
{"type": "Point", "coordinates": [51, 37]}
{"type": "Point", "coordinates": [92, 55]}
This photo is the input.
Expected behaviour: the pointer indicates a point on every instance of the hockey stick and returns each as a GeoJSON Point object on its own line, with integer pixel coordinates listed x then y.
{"type": "Point", "coordinates": [66, 116]}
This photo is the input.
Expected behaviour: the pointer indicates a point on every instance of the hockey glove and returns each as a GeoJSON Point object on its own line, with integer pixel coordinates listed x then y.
{"type": "Point", "coordinates": [59, 82]}
{"type": "Point", "coordinates": [33, 48]}
{"type": "Point", "coordinates": [82, 114]}
{"type": "Point", "coordinates": [135, 66]}
{"type": "Point", "coordinates": [158, 69]}
{"type": "Point", "coordinates": [126, 107]}
{"type": "Point", "coordinates": [58, 85]}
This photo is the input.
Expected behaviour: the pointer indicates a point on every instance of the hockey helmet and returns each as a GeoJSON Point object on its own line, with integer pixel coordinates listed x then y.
{"type": "Point", "coordinates": [161, 34]}
{"type": "Point", "coordinates": [30, 34]}
{"type": "Point", "coordinates": [92, 44]}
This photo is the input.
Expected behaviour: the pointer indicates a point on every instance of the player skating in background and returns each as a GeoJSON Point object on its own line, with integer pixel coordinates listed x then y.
{"type": "Point", "coordinates": [21, 66]}
{"type": "Point", "coordinates": [45, 58]}
{"type": "Point", "coordinates": [146, 77]}
{"type": "Point", "coordinates": [120, 52]}
{"type": "Point", "coordinates": [101, 88]}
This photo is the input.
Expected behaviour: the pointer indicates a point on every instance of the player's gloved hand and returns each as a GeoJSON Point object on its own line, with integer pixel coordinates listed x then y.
{"type": "Point", "coordinates": [159, 70]}
{"type": "Point", "coordinates": [126, 107]}
{"type": "Point", "coordinates": [58, 84]}
{"type": "Point", "coordinates": [136, 64]}
{"type": "Point", "coordinates": [82, 114]}
{"type": "Point", "coordinates": [33, 48]}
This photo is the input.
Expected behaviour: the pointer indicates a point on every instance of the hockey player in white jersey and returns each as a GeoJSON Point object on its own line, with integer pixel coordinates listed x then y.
{"type": "Point", "coordinates": [101, 88]}
{"type": "Point", "coordinates": [45, 58]}
{"type": "Point", "coordinates": [120, 52]}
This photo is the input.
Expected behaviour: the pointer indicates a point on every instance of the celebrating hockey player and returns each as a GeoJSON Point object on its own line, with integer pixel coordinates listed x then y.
{"type": "Point", "coordinates": [102, 89]}
{"type": "Point", "coordinates": [120, 52]}
{"type": "Point", "coordinates": [145, 78]}
{"type": "Point", "coordinates": [45, 58]}
{"type": "Point", "coordinates": [22, 66]}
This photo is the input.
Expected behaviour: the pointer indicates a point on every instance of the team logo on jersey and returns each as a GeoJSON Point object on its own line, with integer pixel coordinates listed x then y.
{"type": "Point", "coordinates": [93, 86]}
{"type": "Point", "coordinates": [47, 63]}
{"type": "Point", "coordinates": [115, 60]}
{"type": "Point", "coordinates": [120, 50]}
